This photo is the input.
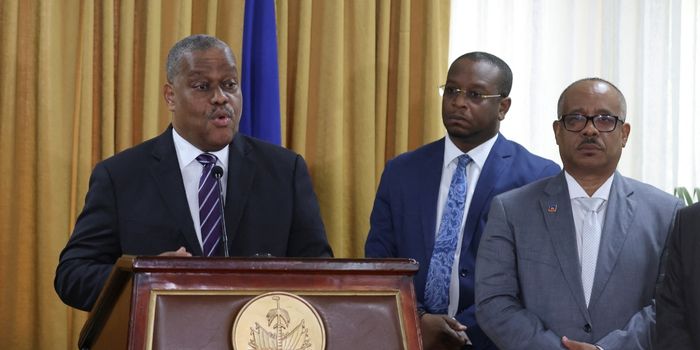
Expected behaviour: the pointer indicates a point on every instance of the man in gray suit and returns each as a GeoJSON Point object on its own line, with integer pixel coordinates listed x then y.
{"type": "Point", "coordinates": [555, 272]}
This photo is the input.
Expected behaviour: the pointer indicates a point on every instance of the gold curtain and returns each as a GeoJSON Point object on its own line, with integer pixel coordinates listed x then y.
{"type": "Point", "coordinates": [81, 80]}
{"type": "Point", "coordinates": [359, 86]}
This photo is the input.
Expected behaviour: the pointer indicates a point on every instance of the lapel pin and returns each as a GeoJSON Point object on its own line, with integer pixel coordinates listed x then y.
{"type": "Point", "coordinates": [552, 208]}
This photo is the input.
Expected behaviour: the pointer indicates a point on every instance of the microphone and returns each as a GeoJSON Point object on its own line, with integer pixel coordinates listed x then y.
{"type": "Point", "coordinates": [218, 172]}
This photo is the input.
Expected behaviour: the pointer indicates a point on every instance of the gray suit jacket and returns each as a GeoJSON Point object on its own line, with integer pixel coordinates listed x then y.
{"type": "Point", "coordinates": [528, 276]}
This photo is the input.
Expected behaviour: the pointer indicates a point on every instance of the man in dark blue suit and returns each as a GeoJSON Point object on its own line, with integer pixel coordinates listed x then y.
{"type": "Point", "coordinates": [416, 190]}
{"type": "Point", "coordinates": [149, 199]}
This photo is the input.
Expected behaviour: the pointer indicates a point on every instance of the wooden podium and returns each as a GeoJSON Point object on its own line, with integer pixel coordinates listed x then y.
{"type": "Point", "coordinates": [193, 303]}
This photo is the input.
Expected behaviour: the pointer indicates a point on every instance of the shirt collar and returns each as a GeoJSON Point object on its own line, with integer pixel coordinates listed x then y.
{"type": "Point", "coordinates": [576, 191]}
{"type": "Point", "coordinates": [478, 154]}
{"type": "Point", "coordinates": [187, 152]}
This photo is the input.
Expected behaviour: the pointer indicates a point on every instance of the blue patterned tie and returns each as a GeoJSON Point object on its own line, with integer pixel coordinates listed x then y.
{"type": "Point", "coordinates": [437, 287]}
{"type": "Point", "coordinates": [209, 207]}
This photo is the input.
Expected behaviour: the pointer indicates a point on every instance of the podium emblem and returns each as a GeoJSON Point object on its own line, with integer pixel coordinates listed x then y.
{"type": "Point", "coordinates": [278, 321]}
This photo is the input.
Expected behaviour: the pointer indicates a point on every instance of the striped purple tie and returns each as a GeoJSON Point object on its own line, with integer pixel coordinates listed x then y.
{"type": "Point", "coordinates": [209, 207]}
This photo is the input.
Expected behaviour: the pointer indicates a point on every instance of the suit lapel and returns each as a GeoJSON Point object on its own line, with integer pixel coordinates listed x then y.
{"type": "Point", "coordinates": [498, 159]}
{"type": "Point", "coordinates": [618, 217]}
{"type": "Point", "coordinates": [559, 219]}
{"type": "Point", "coordinates": [241, 173]}
{"type": "Point", "coordinates": [430, 176]}
{"type": "Point", "coordinates": [168, 178]}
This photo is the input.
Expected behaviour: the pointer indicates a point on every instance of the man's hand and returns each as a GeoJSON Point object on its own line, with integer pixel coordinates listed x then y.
{"type": "Point", "coordinates": [442, 332]}
{"type": "Point", "coordinates": [576, 345]}
{"type": "Point", "coordinates": [180, 252]}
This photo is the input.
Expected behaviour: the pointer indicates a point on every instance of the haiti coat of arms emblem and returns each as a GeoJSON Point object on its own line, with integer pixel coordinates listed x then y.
{"type": "Point", "coordinates": [278, 321]}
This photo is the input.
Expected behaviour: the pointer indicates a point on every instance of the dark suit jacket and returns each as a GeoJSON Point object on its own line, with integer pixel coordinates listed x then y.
{"type": "Point", "coordinates": [136, 205]}
{"type": "Point", "coordinates": [403, 220]}
{"type": "Point", "coordinates": [678, 298]}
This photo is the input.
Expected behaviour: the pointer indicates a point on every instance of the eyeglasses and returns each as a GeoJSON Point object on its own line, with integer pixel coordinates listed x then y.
{"type": "Point", "coordinates": [578, 122]}
{"type": "Point", "coordinates": [471, 96]}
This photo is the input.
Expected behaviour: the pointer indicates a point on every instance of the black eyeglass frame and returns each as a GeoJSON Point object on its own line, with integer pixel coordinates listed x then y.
{"type": "Point", "coordinates": [592, 119]}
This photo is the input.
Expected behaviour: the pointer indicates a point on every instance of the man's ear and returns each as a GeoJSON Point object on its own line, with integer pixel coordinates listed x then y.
{"type": "Point", "coordinates": [556, 126]}
{"type": "Point", "coordinates": [503, 108]}
{"type": "Point", "coordinates": [169, 96]}
{"type": "Point", "coordinates": [625, 133]}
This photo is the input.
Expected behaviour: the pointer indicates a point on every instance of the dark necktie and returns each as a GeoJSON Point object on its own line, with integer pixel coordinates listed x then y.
{"type": "Point", "coordinates": [210, 215]}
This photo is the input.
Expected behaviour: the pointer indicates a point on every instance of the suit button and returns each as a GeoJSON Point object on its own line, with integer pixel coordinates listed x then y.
{"type": "Point", "coordinates": [463, 273]}
{"type": "Point", "coordinates": [587, 328]}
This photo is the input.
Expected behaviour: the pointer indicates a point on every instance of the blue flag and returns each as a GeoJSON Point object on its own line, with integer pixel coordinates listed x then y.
{"type": "Point", "coordinates": [259, 72]}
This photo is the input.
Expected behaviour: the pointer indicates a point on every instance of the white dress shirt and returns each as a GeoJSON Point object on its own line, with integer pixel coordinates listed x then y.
{"type": "Point", "coordinates": [191, 171]}
{"type": "Point", "coordinates": [452, 152]}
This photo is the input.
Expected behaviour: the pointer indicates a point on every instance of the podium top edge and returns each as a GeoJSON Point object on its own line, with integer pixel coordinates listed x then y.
{"type": "Point", "coordinates": [211, 264]}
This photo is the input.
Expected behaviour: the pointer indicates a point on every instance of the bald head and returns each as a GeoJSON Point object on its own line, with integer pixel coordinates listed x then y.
{"type": "Point", "coordinates": [588, 153]}
{"type": "Point", "coordinates": [593, 85]}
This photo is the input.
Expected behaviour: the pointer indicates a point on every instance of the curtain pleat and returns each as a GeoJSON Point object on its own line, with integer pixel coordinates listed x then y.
{"type": "Point", "coordinates": [81, 80]}
{"type": "Point", "coordinates": [360, 81]}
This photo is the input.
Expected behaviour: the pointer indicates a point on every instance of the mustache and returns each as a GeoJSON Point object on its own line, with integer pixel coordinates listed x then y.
{"type": "Point", "coordinates": [226, 110]}
{"type": "Point", "coordinates": [590, 141]}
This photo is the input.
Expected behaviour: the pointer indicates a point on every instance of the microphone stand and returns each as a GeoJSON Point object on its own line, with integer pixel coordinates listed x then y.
{"type": "Point", "coordinates": [218, 172]}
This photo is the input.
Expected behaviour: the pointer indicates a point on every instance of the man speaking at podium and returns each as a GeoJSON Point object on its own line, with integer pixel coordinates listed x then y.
{"type": "Point", "coordinates": [194, 188]}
